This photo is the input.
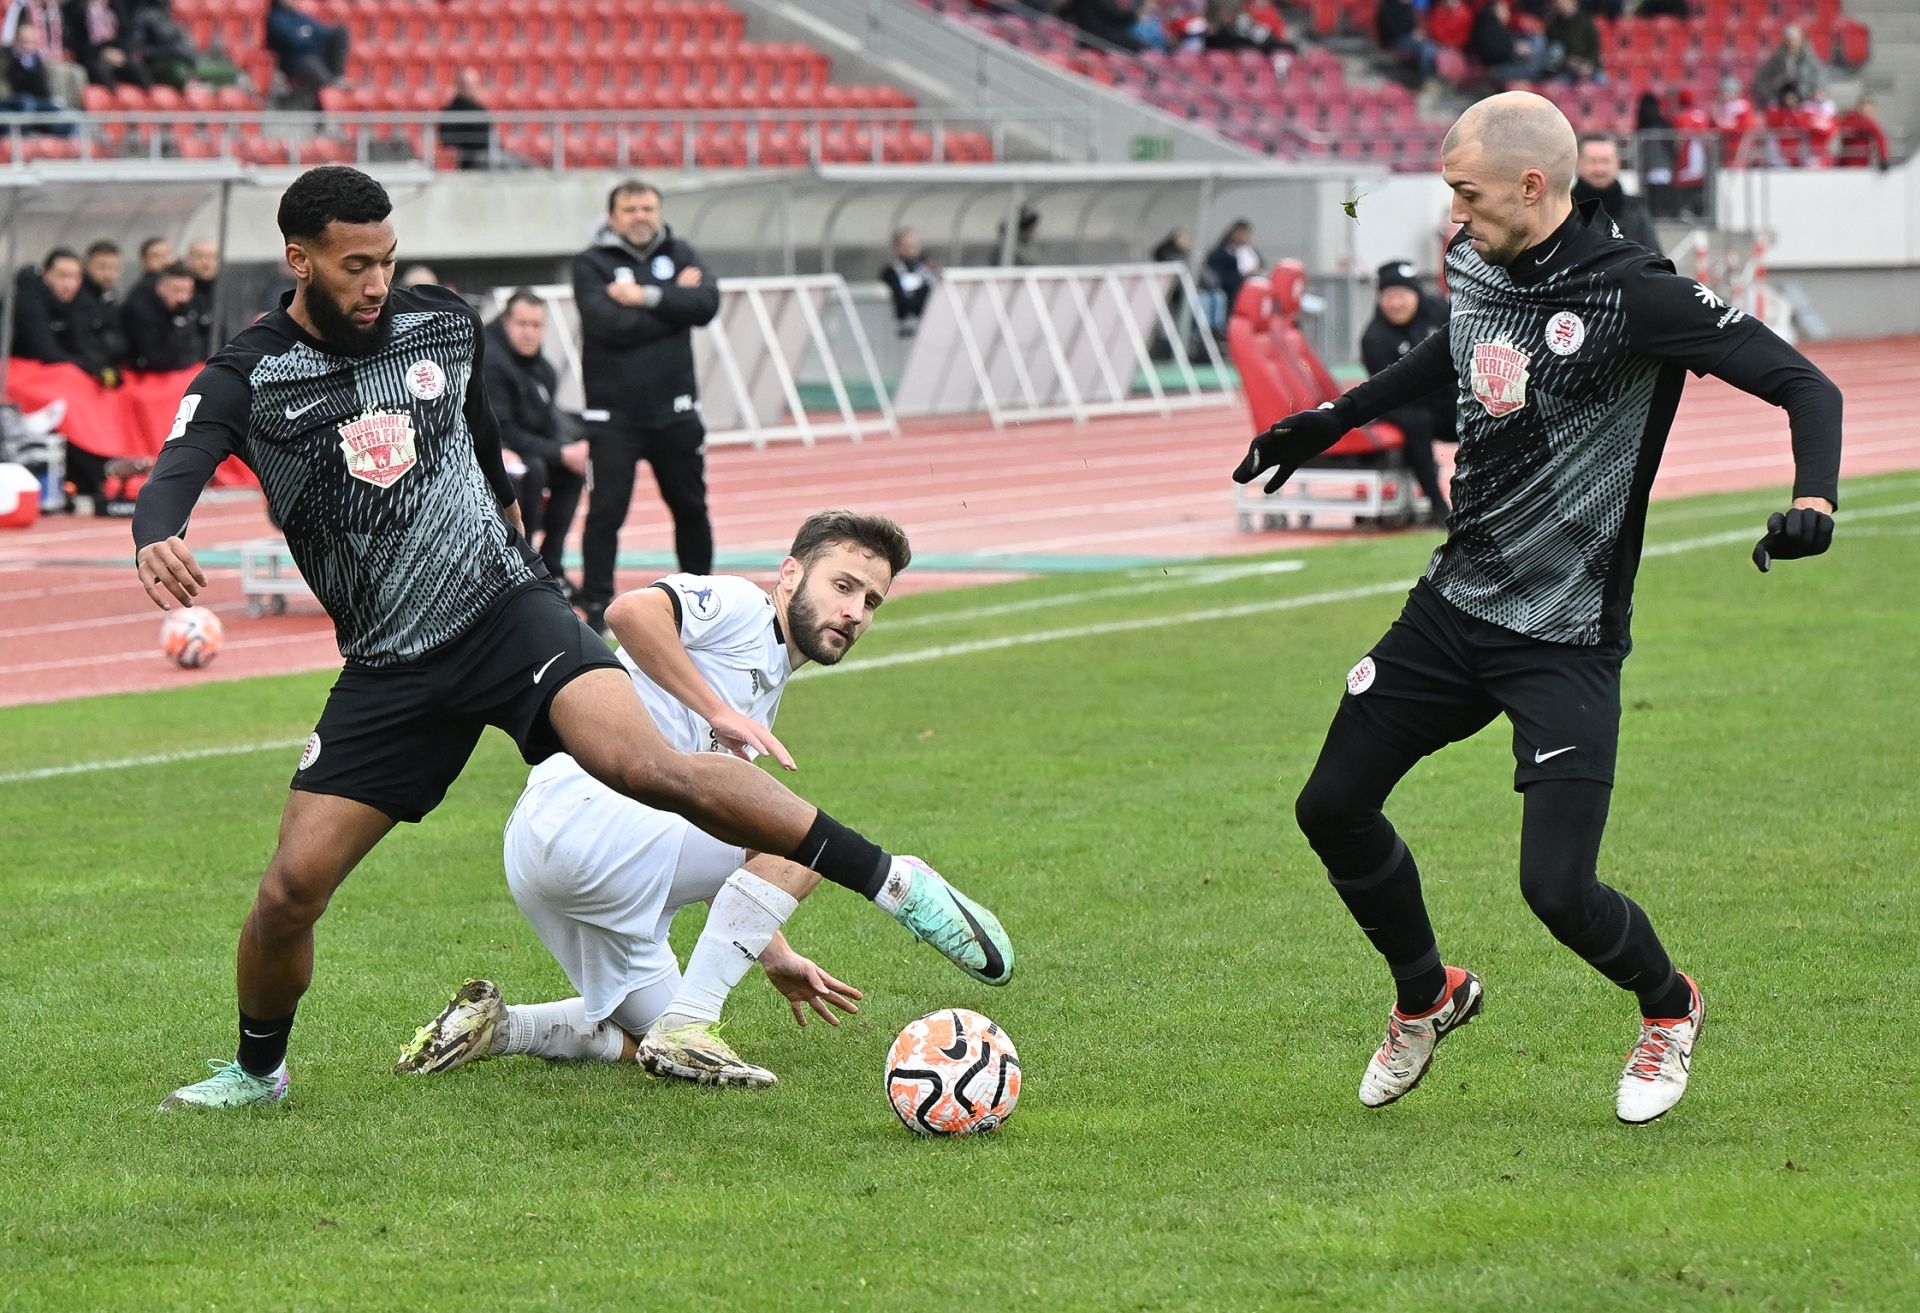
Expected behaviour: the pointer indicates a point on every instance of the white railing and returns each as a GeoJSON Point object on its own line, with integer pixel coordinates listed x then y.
{"type": "Point", "coordinates": [773, 341]}
{"type": "Point", "coordinates": [548, 139]}
{"type": "Point", "coordinates": [1060, 342]}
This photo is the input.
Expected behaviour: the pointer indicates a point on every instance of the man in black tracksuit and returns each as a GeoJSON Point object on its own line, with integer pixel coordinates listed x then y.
{"type": "Point", "coordinates": [1403, 318]}
{"type": "Point", "coordinates": [641, 291]}
{"type": "Point", "coordinates": [520, 383]}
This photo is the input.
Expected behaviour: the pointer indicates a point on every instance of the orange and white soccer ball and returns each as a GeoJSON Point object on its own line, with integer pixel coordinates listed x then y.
{"type": "Point", "coordinates": [191, 636]}
{"type": "Point", "coordinates": [953, 1072]}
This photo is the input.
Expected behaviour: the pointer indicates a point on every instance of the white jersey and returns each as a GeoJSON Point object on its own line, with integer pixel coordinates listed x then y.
{"type": "Point", "coordinates": [729, 629]}
{"type": "Point", "coordinates": [599, 875]}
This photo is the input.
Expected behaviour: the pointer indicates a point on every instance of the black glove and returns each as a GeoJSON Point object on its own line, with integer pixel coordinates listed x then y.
{"type": "Point", "coordinates": [1792, 535]}
{"type": "Point", "coordinates": [1291, 443]}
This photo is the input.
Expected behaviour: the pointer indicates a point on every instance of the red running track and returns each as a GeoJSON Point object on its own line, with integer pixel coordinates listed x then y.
{"type": "Point", "coordinates": [980, 505]}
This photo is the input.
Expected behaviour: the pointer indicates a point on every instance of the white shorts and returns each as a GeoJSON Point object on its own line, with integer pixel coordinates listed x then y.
{"type": "Point", "coordinates": [600, 877]}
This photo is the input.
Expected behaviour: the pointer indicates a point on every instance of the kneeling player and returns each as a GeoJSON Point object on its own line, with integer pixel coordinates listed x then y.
{"type": "Point", "coordinates": [600, 875]}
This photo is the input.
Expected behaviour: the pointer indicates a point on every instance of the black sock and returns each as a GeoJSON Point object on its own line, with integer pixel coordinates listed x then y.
{"type": "Point", "coordinates": [263, 1044]}
{"type": "Point", "coordinates": [846, 857]}
{"type": "Point", "coordinates": [1386, 903]}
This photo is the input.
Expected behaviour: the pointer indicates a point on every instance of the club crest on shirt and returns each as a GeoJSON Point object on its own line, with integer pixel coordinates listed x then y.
{"type": "Point", "coordinates": [379, 448]}
{"type": "Point", "coordinates": [1500, 377]}
{"type": "Point", "coordinates": [1565, 332]}
{"type": "Point", "coordinates": [426, 380]}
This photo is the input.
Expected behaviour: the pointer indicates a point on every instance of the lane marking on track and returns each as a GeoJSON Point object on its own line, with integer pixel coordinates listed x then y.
{"type": "Point", "coordinates": [920, 655]}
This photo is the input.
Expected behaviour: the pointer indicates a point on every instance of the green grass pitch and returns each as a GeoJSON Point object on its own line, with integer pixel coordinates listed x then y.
{"type": "Point", "coordinates": [1193, 1006]}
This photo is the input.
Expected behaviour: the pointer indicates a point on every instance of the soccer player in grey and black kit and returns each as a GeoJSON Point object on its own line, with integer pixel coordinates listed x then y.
{"type": "Point", "coordinates": [1569, 347]}
{"type": "Point", "coordinates": [360, 407]}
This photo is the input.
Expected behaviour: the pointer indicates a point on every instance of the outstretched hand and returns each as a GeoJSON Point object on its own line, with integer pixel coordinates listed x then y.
{"type": "Point", "coordinates": [746, 737]}
{"type": "Point", "coordinates": [805, 985]}
{"type": "Point", "coordinates": [1289, 444]}
{"type": "Point", "coordinates": [167, 569]}
{"type": "Point", "coordinates": [1802, 531]}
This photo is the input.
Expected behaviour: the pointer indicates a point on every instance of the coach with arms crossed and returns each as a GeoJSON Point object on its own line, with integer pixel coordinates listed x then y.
{"type": "Point", "coordinates": [641, 292]}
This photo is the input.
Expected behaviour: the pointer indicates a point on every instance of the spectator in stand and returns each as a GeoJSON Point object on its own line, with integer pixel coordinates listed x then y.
{"type": "Point", "coordinates": [1573, 44]}
{"type": "Point", "coordinates": [66, 80]}
{"type": "Point", "coordinates": [1858, 140]}
{"type": "Point", "coordinates": [1241, 25]}
{"type": "Point", "coordinates": [1150, 30]}
{"type": "Point", "coordinates": [162, 333]}
{"type": "Point", "coordinates": [161, 44]}
{"type": "Point", "coordinates": [1694, 127]}
{"type": "Point", "coordinates": [48, 326]}
{"type": "Point", "coordinates": [1664, 9]}
{"type": "Point", "coordinates": [1655, 144]}
{"type": "Point", "coordinates": [98, 301]}
{"type": "Point", "coordinates": [1599, 180]}
{"type": "Point", "coordinates": [1507, 55]}
{"type": "Point", "coordinates": [1797, 130]}
{"type": "Point", "coordinates": [1175, 248]}
{"type": "Point", "coordinates": [1734, 119]}
{"type": "Point", "coordinates": [1397, 29]}
{"type": "Point", "coordinates": [203, 262]}
{"type": "Point", "coordinates": [311, 54]}
{"type": "Point", "coordinates": [520, 382]}
{"type": "Point", "coordinates": [909, 277]}
{"type": "Point", "coordinates": [1792, 64]}
{"type": "Point", "coordinates": [156, 253]}
{"type": "Point", "coordinates": [1108, 21]}
{"type": "Point", "coordinates": [94, 36]}
{"type": "Point", "coordinates": [1607, 9]}
{"type": "Point", "coordinates": [1450, 23]}
{"type": "Point", "coordinates": [1230, 263]}
{"type": "Point", "coordinates": [29, 79]}
{"type": "Point", "coordinates": [1403, 317]}
{"type": "Point", "coordinates": [472, 139]}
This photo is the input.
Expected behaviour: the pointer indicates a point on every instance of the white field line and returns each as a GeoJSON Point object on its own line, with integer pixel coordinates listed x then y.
{"type": "Point", "coordinates": [152, 759]}
{"type": "Point", "coordinates": [920, 655]}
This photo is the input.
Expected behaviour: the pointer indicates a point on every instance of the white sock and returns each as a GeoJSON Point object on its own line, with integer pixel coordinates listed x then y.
{"type": "Point", "coordinates": [747, 913]}
{"type": "Point", "coordinates": [893, 890]}
{"type": "Point", "coordinates": [556, 1030]}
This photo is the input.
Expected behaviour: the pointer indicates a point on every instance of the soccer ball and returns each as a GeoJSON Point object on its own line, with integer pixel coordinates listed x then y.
{"type": "Point", "coordinates": [952, 1072]}
{"type": "Point", "coordinates": [191, 637]}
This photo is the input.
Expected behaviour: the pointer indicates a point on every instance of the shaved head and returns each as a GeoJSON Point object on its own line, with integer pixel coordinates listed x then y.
{"type": "Point", "coordinates": [1517, 131]}
{"type": "Point", "coordinates": [1510, 162]}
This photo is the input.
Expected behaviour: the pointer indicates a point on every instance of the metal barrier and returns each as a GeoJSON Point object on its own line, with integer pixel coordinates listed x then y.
{"type": "Point", "coordinates": [769, 366]}
{"type": "Point", "coordinates": [772, 137]}
{"type": "Point", "coordinates": [1060, 342]}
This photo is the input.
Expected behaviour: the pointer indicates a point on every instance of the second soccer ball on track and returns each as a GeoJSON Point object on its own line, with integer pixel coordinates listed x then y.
{"type": "Point", "coordinates": [190, 637]}
{"type": "Point", "coordinates": [953, 1072]}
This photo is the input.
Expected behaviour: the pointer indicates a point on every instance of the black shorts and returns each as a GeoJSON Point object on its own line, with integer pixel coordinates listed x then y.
{"type": "Point", "coordinates": [1440, 675]}
{"type": "Point", "coordinates": [396, 737]}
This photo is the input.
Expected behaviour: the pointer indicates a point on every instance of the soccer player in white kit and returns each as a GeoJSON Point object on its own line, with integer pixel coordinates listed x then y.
{"type": "Point", "coordinates": [600, 876]}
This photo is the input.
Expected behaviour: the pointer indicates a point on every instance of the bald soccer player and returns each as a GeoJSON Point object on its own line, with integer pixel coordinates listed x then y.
{"type": "Point", "coordinates": [1568, 347]}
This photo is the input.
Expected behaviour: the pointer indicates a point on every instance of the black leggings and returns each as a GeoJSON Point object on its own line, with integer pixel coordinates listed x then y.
{"type": "Point", "coordinates": [1339, 810]}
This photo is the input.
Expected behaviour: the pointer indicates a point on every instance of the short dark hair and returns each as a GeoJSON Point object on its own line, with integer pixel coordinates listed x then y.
{"type": "Point", "coordinates": [102, 247]}
{"type": "Point", "coordinates": [149, 244]}
{"type": "Point", "coordinates": [630, 187]}
{"type": "Point", "coordinates": [329, 194]}
{"type": "Point", "coordinates": [869, 533]}
{"type": "Point", "coordinates": [176, 270]}
{"type": "Point", "coordinates": [523, 296]}
{"type": "Point", "coordinates": [1589, 138]}
{"type": "Point", "coordinates": [57, 254]}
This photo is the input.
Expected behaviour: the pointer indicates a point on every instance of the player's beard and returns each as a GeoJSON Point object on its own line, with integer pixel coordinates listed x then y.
{"type": "Point", "coordinates": [336, 328]}
{"type": "Point", "coordinates": [809, 633]}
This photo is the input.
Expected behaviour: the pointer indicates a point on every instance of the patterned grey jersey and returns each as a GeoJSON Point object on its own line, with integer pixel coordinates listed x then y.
{"type": "Point", "coordinates": [1567, 389]}
{"type": "Point", "coordinates": [368, 466]}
